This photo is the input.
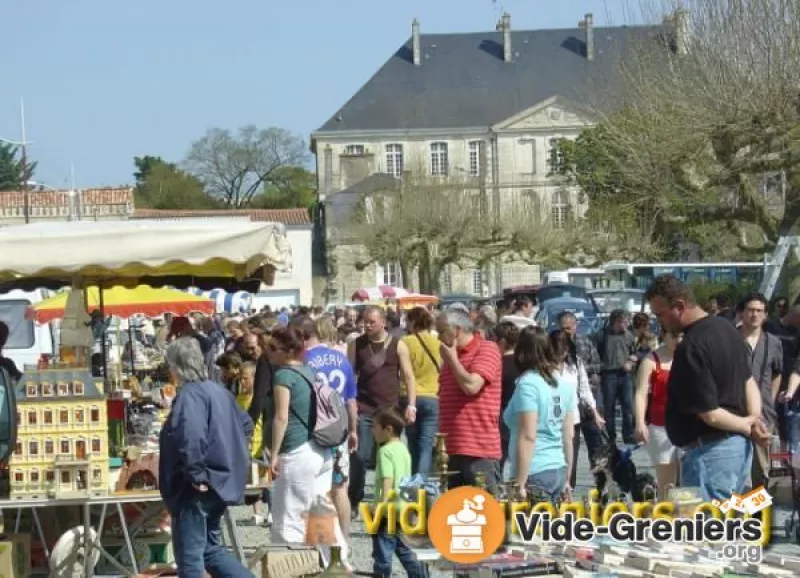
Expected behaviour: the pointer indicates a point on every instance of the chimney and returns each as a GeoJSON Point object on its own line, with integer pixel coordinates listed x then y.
{"type": "Point", "coordinates": [588, 27]}
{"type": "Point", "coordinates": [415, 43]}
{"type": "Point", "coordinates": [504, 26]}
{"type": "Point", "coordinates": [680, 20]}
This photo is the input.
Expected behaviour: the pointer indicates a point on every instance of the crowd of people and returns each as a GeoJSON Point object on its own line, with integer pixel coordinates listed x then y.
{"type": "Point", "coordinates": [512, 398]}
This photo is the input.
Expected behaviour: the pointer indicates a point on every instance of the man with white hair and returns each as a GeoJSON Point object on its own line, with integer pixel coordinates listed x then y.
{"type": "Point", "coordinates": [204, 465]}
{"type": "Point", "coordinates": [469, 400]}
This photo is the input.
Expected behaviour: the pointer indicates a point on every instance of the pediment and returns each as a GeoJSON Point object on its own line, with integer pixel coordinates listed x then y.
{"type": "Point", "coordinates": [554, 112]}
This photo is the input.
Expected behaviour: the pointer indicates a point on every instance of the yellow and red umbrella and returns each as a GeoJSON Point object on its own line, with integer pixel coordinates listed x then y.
{"type": "Point", "coordinates": [122, 302]}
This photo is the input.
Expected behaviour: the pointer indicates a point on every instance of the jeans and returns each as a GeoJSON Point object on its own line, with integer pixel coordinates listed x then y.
{"type": "Point", "coordinates": [366, 443]}
{"type": "Point", "coordinates": [719, 468]}
{"type": "Point", "coordinates": [466, 468]}
{"type": "Point", "coordinates": [385, 546]}
{"type": "Point", "coordinates": [421, 435]}
{"type": "Point", "coordinates": [592, 435]}
{"type": "Point", "coordinates": [551, 481]}
{"type": "Point", "coordinates": [618, 386]}
{"type": "Point", "coordinates": [197, 538]}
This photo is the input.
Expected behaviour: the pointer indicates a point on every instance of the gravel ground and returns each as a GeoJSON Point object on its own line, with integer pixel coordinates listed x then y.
{"type": "Point", "coordinates": [361, 545]}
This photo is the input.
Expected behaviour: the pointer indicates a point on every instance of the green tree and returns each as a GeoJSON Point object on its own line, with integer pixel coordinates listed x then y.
{"type": "Point", "coordinates": [13, 172]}
{"type": "Point", "coordinates": [235, 168]}
{"type": "Point", "coordinates": [289, 187]}
{"type": "Point", "coordinates": [161, 185]}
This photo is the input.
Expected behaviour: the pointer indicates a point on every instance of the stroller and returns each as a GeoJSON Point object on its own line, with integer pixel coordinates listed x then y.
{"type": "Point", "coordinates": [616, 478]}
{"type": "Point", "coordinates": [787, 463]}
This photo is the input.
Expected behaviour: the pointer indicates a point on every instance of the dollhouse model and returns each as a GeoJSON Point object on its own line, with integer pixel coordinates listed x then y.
{"type": "Point", "coordinates": [62, 436]}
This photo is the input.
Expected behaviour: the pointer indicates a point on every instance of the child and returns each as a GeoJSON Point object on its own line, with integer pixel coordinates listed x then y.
{"type": "Point", "coordinates": [393, 463]}
{"type": "Point", "coordinates": [246, 381]}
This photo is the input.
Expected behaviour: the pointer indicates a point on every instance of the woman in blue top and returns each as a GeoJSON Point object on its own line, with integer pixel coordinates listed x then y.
{"type": "Point", "coordinates": [541, 418]}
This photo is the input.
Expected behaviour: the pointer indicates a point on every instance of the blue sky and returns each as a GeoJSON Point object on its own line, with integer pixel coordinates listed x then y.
{"type": "Point", "coordinates": [104, 81]}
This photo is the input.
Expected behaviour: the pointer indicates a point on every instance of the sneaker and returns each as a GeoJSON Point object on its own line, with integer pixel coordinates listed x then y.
{"type": "Point", "coordinates": [268, 520]}
{"type": "Point", "coordinates": [258, 519]}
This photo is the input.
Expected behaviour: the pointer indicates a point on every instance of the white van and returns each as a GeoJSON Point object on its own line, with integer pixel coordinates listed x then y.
{"type": "Point", "coordinates": [27, 341]}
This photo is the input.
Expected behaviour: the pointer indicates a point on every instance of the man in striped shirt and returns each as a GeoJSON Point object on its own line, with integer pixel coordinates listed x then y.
{"type": "Point", "coordinates": [469, 400]}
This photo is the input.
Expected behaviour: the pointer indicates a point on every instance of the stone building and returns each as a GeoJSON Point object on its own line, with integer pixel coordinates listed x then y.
{"type": "Point", "coordinates": [489, 106]}
{"type": "Point", "coordinates": [102, 204]}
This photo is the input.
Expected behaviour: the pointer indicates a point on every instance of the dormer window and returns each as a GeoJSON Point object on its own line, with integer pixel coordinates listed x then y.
{"type": "Point", "coordinates": [47, 390]}
{"type": "Point", "coordinates": [63, 389]}
{"type": "Point", "coordinates": [31, 389]}
{"type": "Point", "coordinates": [355, 150]}
{"type": "Point", "coordinates": [77, 388]}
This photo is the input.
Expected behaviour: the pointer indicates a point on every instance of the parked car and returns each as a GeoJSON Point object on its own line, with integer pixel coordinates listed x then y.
{"type": "Point", "coordinates": [630, 300]}
{"type": "Point", "coordinates": [584, 310]}
{"type": "Point", "coordinates": [540, 294]}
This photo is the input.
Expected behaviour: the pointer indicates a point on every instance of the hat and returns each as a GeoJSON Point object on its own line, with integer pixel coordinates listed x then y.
{"type": "Point", "coordinates": [179, 325]}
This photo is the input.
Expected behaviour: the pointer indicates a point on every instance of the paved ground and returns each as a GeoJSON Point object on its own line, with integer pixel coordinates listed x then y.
{"type": "Point", "coordinates": [361, 546]}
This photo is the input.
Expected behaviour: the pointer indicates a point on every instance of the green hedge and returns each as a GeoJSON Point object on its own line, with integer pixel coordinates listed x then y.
{"type": "Point", "coordinates": [705, 291]}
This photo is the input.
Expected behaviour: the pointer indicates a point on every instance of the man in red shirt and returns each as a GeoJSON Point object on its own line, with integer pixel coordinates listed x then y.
{"type": "Point", "coordinates": [469, 400]}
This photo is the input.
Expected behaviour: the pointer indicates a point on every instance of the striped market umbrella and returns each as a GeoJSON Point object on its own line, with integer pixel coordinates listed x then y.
{"type": "Point", "coordinates": [378, 293]}
{"type": "Point", "coordinates": [122, 302]}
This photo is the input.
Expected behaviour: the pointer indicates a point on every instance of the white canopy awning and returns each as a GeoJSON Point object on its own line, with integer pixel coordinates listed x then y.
{"type": "Point", "coordinates": [132, 252]}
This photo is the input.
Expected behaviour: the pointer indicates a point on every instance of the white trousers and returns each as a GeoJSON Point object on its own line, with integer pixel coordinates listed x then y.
{"type": "Point", "coordinates": [304, 473]}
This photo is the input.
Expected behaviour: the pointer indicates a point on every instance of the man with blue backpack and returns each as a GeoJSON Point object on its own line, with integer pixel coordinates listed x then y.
{"type": "Point", "coordinates": [333, 369]}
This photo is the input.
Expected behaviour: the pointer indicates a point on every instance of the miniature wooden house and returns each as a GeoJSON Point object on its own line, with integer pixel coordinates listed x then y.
{"type": "Point", "coordinates": [62, 436]}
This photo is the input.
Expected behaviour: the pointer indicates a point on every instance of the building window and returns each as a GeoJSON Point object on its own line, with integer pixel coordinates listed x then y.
{"type": "Point", "coordinates": [560, 209]}
{"type": "Point", "coordinates": [50, 476]}
{"type": "Point", "coordinates": [31, 390]}
{"type": "Point", "coordinates": [97, 474]}
{"type": "Point", "coordinates": [63, 389]}
{"type": "Point", "coordinates": [47, 389]}
{"type": "Point", "coordinates": [77, 388]}
{"type": "Point", "coordinates": [33, 448]}
{"type": "Point", "coordinates": [94, 415]}
{"type": "Point", "coordinates": [79, 415]}
{"type": "Point", "coordinates": [32, 417]}
{"type": "Point", "coordinates": [439, 160]}
{"type": "Point", "coordinates": [96, 446]}
{"type": "Point", "coordinates": [65, 447]}
{"type": "Point", "coordinates": [390, 274]}
{"type": "Point", "coordinates": [65, 477]}
{"type": "Point", "coordinates": [354, 150]}
{"type": "Point", "coordinates": [49, 447]}
{"type": "Point", "coordinates": [446, 280]}
{"type": "Point", "coordinates": [475, 158]}
{"type": "Point", "coordinates": [555, 158]}
{"type": "Point", "coordinates": [18, 449]}
{"type": "Point", "coordinates": [63, 416]}
{"type": "Point", "coordinates": [477, 281]}
{"type": "Point", "coordinates": [47, 417]}
{"type": "Point", "coordinates": [19, 476]}
{"type": "Point", "coordinates": [34, 476]}
{"type": "Point", "coordinates": [394, 160]}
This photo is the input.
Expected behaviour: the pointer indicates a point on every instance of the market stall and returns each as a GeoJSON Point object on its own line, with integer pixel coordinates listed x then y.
{"type": "Point", "coordinates": [207, 254]}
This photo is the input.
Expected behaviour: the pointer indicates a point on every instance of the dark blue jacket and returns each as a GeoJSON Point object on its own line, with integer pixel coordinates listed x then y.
{"type": "Point", "coordinates": [205, 440]}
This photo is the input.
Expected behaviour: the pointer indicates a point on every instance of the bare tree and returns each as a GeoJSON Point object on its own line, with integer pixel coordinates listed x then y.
{"type": "Point", "coordinates": [707, 135]}
{"type": "Point", "coordinates": [236, 168]}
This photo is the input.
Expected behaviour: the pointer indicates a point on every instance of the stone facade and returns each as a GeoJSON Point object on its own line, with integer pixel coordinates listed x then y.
{"type": "Point", "coordinates": [105, 204]}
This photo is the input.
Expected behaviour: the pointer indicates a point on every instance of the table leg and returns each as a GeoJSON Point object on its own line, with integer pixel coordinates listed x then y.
{"type": "Point", "coordinates": [39, 530]}
{"type": "Point", "coordinates": [233, 532]}
{"type": "Point", "coordinates": [88, 543]}
{"type": "Point", "coordinates": [127, 536]}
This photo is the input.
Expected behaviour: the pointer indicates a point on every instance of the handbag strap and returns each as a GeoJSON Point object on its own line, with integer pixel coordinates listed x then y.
{"type": "Point", "coordinates": [312, 398]}
{"type": "Point", "coordinates": [428, 351]}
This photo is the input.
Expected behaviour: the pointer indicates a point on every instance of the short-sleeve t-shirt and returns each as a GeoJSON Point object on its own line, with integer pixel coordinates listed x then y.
{"type": "Point", "coordinates": [393, 461]}
{"type": "Point", "coordinates": [301, 410]}
{"type": "Point", "coordinates": [333, 367]}
{"type": "Point", "coordinates": [709, 370]}
{"type": "Point", "coordinates": [552, 404]}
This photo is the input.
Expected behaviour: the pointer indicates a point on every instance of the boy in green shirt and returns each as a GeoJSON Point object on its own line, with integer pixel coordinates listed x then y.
{"type": "Point", "coordinates": [393, 463]}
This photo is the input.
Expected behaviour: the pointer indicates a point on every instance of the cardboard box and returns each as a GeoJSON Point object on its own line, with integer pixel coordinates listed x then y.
{"type": "Point", "coordinates": [15, 555]}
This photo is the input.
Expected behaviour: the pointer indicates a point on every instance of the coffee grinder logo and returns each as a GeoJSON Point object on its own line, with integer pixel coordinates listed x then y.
{"type": "Point", "coordinates": [466, 525]}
